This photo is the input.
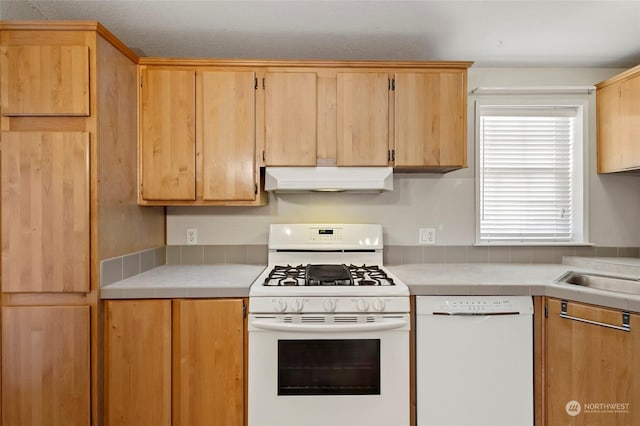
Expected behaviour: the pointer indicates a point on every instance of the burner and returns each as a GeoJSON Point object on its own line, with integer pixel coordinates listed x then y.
{"type": "Point", "coordinates": [286, 276]}
{"type": "Point", "coordinates": [369, 275]}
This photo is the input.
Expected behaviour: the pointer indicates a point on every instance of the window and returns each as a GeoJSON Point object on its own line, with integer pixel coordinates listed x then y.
{"type": "Point", "coordinates": [530, 174]}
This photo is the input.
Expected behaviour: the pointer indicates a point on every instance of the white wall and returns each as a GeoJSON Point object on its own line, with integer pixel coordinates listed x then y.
{"type": "Point", "coordinates": [445, 202]}
{"type": "Point", "coordinates": [19, 10]}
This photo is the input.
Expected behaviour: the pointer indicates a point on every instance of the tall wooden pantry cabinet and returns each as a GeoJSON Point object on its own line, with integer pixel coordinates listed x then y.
{"type": "Point", "coordinates": [68, 200]}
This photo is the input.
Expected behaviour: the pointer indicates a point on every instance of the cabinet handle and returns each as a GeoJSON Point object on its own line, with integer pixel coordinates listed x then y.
{"type": "Point", "coordinates": [626, 326]}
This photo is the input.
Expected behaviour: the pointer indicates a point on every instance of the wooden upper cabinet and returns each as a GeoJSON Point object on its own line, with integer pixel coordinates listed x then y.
{"type": "Point", "coordinates": [430, 119]}
{"type": "Point", "coordinates": [363, 119]}
{"type": "Point", "coordinates": [630, 125]}
{"type": "Point", "coordinates": [45, 365]}
{"type": "Point", "coordinates": [290, 119]}
{"type": "Point", "coordinates": [45, 80]}
{"type": "Point", "coordinates": [609, 113]}
{"type": "Point", "coordinates": [618, 122]}
{"type": "Point", "coordinates": [208, 362]}
{"type": "Point", "coordinates": [138, 362]}
{"type": "Point", "coordinates": [228, 142]}
{"type": "Point", "coordinates": [168, 134]}
{"type": "Point", "coordinates": [591, 363]}
{"type": "Point", "coordinates": [45, 231]}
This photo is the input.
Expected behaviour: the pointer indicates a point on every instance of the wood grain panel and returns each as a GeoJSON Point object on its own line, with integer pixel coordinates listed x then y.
{"type": "Point", "coordinates": [630, 123]}
{"type": "Point", "coordinates": [138, 363]}
{"type": "Point", "coordinates": [45, 359]}
{"type": "Point", "coordinates": [591, 364]}
{"type": "Point", "coordinates": [45, 80]}
{"type": "Point", "coordinates": [327, 118]}
{"type": "Point", "coordinates": [208, 364]}
{"type": "Point", "coordinates": [168, 134]}
{"type": "Point", "coordinates": [538, 360]}
{"type": "Point", "coordinates": [45, 231]}
{"type": "Point", "coordinates": [430, 125]}
{"type": "Point", "coordinates": [363, 119]}
{"type": "Point", "coordinates": [609, 128]}
{"type": "Point", "coordinates": [288, 63]}
{"type": "Point", "coordinates": [115, 207]}
{"type": "Point", "coordinates": [290, 118]}
{"type": "Point", "coordinates": [228, 146]}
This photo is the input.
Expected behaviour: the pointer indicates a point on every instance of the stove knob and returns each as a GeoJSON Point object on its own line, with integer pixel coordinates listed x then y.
{"type": "Point", "coordinates": [362, 305]}
{"type": "Point", "coordinates": [298, 305]}
{"type": "Point", "coordinates": [378, 305]}
{"type": "Point", "coordinates": [330, 305]}
{"type": "Point", "coordinates": [280, 305]}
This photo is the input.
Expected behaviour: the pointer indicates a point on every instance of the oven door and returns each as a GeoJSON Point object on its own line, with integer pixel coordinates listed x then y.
{"type": "Point", "coordinates": [321, 370]}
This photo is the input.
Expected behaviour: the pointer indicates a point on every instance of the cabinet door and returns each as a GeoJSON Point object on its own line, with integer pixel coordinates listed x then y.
{"type": "Point", "coordinates": [45, 80]}
{"type": "Point", "coordinates": [363, 119]}
{"type": "Point", "coordinates": [45, 366]}
{"type": "Point", "coordinates": [167, 133]}
{"type": "Point", "coordinates": [45, 212]}
{"type": "Point", "coordinates": [208, 362]}
{"type": "Point", "coordinates": [630, 123]}
{"type": "Point", "coordinates": [609, 106]}
{"type": "Point", "coordinates": [430, 126]}
{"type": "Point", "coordinates": [138, 362]}
{"type": "Point", "coordinates": [588, 365]}
{"type": "Point", "coordinates": [290, 119]}
{"type": "Point", "coordinates": [228, 147]}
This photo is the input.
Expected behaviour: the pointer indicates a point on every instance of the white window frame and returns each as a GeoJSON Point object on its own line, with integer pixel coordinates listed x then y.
{"type": "Point", "coordinates": [580, 161]}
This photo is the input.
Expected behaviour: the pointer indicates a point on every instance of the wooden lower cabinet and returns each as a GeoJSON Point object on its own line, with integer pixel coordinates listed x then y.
{"type": "Point", "coordinates": [175, 362]}
{"type": "Point", "coordinates": [138, 362]}
{"type": "Point", "coordinates": [45, 366]}
{"type": "Point", "coordinates": [592, 372]}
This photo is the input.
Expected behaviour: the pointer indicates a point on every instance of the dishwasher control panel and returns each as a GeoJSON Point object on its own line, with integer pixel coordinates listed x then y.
{"type": "Point", "coordinates": [475, 305]}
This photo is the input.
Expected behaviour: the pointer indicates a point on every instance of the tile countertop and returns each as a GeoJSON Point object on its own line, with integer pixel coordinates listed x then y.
{"type": "Point", "coordinates": [175, 281]}
{"type": "Point", "coordinates": [193, 281]}
{"type": "Point", "coordinates": [518, 279]}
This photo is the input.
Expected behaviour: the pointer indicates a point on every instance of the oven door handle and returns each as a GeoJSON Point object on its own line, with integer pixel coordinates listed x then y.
{"type": "Point", "coordinates": [329, 328]}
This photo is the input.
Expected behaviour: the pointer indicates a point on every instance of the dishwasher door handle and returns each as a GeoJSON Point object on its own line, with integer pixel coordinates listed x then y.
{"type": "Point", "coordinates": [476, 314]}
{"type": "Point", "coordinates": [626, 326]}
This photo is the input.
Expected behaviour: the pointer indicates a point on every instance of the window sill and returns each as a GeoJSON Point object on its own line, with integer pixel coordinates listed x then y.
{"type": "Point", "coordinates": [531, 244]}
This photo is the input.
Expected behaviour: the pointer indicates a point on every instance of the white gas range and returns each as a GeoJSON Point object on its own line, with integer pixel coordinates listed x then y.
{"type": "Point", "coordinates": [328, 331]}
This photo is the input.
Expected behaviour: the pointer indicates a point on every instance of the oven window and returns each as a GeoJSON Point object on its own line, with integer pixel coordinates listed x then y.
{"type": "Point", "coordinates": [329, 367]}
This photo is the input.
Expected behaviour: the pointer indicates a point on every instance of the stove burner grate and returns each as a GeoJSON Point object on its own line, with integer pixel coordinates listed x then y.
{"type": "Point", "coordinates": [369, 275]}
{"type": "Point", "coordinates": [286, 276]}
{"type": "Point", "coordinates": [328, 275]}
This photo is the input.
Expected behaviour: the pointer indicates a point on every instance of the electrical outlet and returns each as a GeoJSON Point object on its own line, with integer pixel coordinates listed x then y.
{"type": "Point", "coordinates": [192, 236]}
{"type": "Point", "coordinates": [427, 236]}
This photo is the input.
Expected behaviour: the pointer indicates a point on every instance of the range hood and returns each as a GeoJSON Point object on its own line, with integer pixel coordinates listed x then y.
{"type": "Point", "coordinates": [328, 179]}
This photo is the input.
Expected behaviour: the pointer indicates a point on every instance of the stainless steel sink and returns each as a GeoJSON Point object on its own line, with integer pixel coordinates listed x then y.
{"type": "Point", "coordinates": [602, 282]}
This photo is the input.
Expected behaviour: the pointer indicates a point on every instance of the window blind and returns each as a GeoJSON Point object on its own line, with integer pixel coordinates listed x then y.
{"type": "Point", "coordinates": [526, 174]}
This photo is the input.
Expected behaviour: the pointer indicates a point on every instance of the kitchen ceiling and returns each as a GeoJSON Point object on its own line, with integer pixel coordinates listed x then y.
{"type": "Point", "coordinates": [493, 33]}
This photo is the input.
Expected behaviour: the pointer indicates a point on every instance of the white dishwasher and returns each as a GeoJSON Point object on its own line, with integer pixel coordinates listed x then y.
{"type": "Point", "coordinates": [474, 360]}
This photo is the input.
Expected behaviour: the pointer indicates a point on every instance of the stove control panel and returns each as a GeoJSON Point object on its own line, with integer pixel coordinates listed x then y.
{"type": "Point", "coordinates": [325, 234]}
{"type": "Point", "coordinates": [297, 305]}
{"type": "Point", "coordinates": [475, 305]}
